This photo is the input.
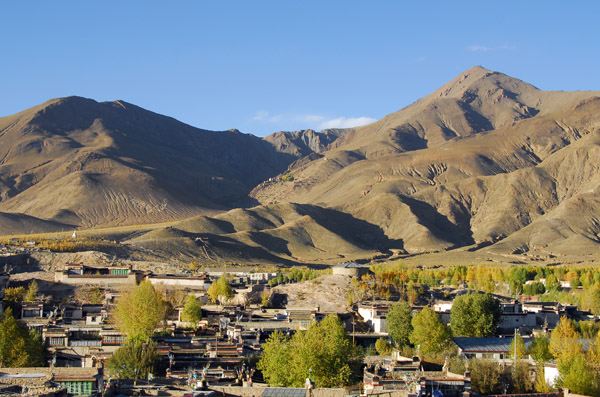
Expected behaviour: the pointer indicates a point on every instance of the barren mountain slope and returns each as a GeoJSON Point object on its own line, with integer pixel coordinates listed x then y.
{"type": "Point", "coordinates": [480, 183]}
{"type": "Point", "coordinates": [486, 162]}
{"type": "Point", "coordinates": [86, 163]}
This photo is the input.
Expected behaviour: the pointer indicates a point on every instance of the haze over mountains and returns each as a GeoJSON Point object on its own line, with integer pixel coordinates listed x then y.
{"type": "Point", "coordinates": [486, 161]}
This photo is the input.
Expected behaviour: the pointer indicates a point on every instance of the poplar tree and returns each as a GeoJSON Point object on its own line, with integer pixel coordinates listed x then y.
{"type": "Point", "coordinates": [324, 352]}
{"type": "Point", "coordinates": [18, 346]}
{"type": "Point", "coordinates": [192, 311]}
{"type": "Point", "coordinates": [140, 311]}
{"type": "Point", "coordinates": [398, 321]}
{"type": "Point", "coordinates": [429, 332]}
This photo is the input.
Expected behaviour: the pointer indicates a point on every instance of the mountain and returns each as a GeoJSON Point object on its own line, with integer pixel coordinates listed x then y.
{"type": "Point", "coordinates": [486, 165]}
{"type": "Point", "coordinates": [485, 158]}
{"type": "Point", "coordinates": [83, 163]}
{"type": "Point", "coordinates": [305, 142]}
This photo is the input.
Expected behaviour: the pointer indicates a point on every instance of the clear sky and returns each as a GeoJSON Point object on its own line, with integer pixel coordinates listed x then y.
{"type": "Point", "coordinates": [266, 66]}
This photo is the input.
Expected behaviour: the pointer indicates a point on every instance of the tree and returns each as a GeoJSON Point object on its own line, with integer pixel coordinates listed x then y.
{"type": "Point", "coordinates": [14, 294]}
{"type": "Point", "coordinates": [429, 332]}
{"type": "Point", "coordinates": [564, 344]}
{"type": "Point", "coordinates": [540, 349]}
{"type": "Point", "coordinates": [398, 323]}
{"type": "Point", "coordinates": [193, 266]}
{"type": "Point", "coordinates": [594, 300]}
{"type": "Point", "coordinates": [475, 315]}
{"type": "Point", "coordinates": [133, 360]}
{"type": "Point", "coordinates": [32, 292]}
{"type": "Point", "coordinates": [520, 350]}
{"type": "Point", "coordinates": [541, 386]}
{"type": "Point", "coordinates": [486, 376]}
{"type": "Point", "coordinates": [220, 290]}
{"type": "Point", "coordinates": [521, 378]}
{"type": "Point", "coordinates": [18, 346]}
{"type": "Point", "coordinates": [580, 378]}
{"type": "Point", "coordinates": [383, 347]}
{"type": "Point", "coordinates": [324, 349]}
{"type": "Point", "coordinates": [36, 350]}
{"type": "Point", "coordinates": [140, 311]}
{"type": "Point", "coordinates": [192, 311]}
{"type": "Point", "coordinates": [277, 353]}
{"type": "Point", "coordinates": [265, 298]}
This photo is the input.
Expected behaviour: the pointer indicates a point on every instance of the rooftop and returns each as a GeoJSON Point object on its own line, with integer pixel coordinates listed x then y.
{"type": "Point", "coordinates": [500, 345]}
{"type": "Point", "coordinates": [352, 265]}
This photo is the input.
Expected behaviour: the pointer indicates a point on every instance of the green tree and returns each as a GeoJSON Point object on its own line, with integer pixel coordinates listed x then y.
{"type": "Point", "coordinates": [429, 332]}
{"type": "Point", "coordinates": [32, 292]}
{"type": "Point", "coordinates": [540, 349]}
{"type": "Point", "coordinates": [383, 347]}
{"type": "Point", "coordinates": [36, 350]}
{"type": "Point", "coordinates": [192, 311]}
{"type": "Point", "coordinates": [594, 300]}
{"type": "Point", "coordinates": [399, 326]}
{"type": "Point", "coordinates": [140, 311]}
{"type": "Point", "coordinates": [520, 350]}
{"type": "Point", "coordinates": [580, 378]}
{"type": "Point", "coordinates": [324, 348]}
{"type": "Point", "coordinates": [475, 315]}
{"type": "Point", "coordinates": [18, 346]}
{"type": "Point", "coordinates": [274, 360]}
{"type": "Point", "coordinates": [133, 360]}
{"type": "Point", "coordinates": [220, 290]}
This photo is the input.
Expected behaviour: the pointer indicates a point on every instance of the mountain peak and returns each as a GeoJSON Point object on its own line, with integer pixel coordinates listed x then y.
{"type": "Point", "coordinates": [480, 79]}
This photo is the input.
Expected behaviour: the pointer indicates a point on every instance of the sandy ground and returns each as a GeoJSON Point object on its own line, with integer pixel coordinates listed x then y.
{"type": "Point", "coordinates": [329, 292]}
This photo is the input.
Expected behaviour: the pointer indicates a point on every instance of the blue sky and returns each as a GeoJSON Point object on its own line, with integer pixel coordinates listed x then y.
{"type": "Point", "coordinates": [267, 66]}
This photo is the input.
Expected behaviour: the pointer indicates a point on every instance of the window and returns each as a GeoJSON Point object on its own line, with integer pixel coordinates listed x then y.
{"type": "Point", "coordinates": [31, 313]}
{"type": "Point", "coordinates": [78, 388]}
{"type": "Point", "coordinates": [113, 340]}
{"type": "Point", "coordinates": [56, 341]}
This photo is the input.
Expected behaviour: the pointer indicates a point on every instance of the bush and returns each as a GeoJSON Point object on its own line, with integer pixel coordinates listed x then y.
{"type": "Point", "coordinates": [287, 177]}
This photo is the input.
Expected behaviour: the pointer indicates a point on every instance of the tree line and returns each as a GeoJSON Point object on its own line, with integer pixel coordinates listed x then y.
{"type": "Point", "coordinates": [409, 283]}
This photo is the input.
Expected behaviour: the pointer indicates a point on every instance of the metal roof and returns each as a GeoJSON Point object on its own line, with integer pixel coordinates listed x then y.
{"type": "Point", "coordinates": [481, 345]}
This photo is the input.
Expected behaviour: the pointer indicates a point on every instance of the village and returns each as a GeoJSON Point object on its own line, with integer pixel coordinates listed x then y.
{"type": "Point", "coordinates": [217, 351]}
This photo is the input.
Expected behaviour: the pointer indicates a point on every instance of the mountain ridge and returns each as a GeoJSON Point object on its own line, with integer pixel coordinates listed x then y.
{"type": "Point", "coordinates": [485, 161]}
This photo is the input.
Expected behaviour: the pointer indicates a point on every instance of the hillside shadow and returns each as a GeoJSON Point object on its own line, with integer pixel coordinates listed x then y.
{"type": "Point", "coordinates": [362, 233]}
{"type": "Point", "coordinates": [408, 139]}
{"type": "Point", "coordinates": [243, 251]}
{"type": "Point", "coordinates": [21, 263]}
{"type": "Point", "coordinates": [438, 224]}
{"type": "Point", "coordinates": [273, 243]}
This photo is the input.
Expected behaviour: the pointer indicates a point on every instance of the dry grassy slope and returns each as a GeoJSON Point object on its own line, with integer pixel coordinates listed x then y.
{"type": "Point", "coordinates": [276, 233]}
{"type": "Point", "coordinates": [479, 172]}
{"type": "Point", "coordinates": [85, 163]}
